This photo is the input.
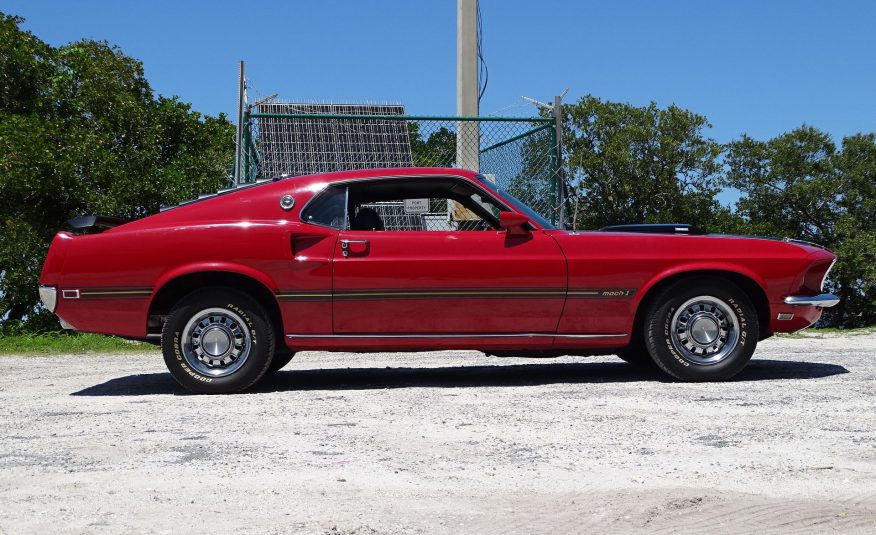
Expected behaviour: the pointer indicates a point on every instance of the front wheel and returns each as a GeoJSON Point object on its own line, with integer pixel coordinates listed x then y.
{"type": "Point", "coordinates": [702, 330]}
{"type": "Point", "coordinates": [217, 341]}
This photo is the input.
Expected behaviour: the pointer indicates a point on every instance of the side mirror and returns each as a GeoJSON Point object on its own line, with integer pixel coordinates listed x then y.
{"type": "Point", "coordinates": [516, 224]}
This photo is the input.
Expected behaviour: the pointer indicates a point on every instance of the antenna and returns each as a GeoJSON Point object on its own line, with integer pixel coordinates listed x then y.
{"type": "Point", "coordinates": [262, 101]}
{"type": "Point", "coordinates": [545, 105]}
{"type": "Point", "coordinates": [538, 103]}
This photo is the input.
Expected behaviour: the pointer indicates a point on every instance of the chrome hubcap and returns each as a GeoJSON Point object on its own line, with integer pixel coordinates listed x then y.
{"type": "Point", "coordinates": [704, 330]}
{"type": "Point", "coordinates": [216, 342]}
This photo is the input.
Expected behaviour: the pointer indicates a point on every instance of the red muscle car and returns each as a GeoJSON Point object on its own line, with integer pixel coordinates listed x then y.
{"type": "Point", "coordinates": [420, 259]}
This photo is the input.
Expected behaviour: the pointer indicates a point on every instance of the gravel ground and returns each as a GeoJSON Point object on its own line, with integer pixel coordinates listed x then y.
{"type": "Point", "coordinates": [444, 442]}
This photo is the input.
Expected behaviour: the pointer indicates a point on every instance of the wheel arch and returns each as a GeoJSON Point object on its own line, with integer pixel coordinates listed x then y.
{"type": "Point", "coordinates": [179, 284]}
{"type": "Point", "coordinates": [753, 289]}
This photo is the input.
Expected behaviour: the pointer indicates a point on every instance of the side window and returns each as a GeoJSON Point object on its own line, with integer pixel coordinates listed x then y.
{"type": "Point", "coordinates": [418, 204]}
{"type": "Point", "coordinates": [327, 209]}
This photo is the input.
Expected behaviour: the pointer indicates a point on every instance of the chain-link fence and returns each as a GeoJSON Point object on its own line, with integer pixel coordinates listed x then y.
{"type": "Point", "coordinates": [518, 155]}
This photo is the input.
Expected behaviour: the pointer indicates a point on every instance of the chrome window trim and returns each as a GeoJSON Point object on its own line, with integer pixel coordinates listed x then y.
{"type": "Point", "coordinates": [465, 180]}
{"type": "Point", "coordinates": [346, 208]}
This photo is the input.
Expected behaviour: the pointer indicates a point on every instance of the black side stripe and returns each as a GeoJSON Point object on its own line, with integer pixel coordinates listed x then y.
{"type": "Point", "coordinates": [486, 293]}
{"type": "Point", "coordinates": [114, 293]}
{"type": "Point", "coordinates": [452, 293]}
{"type": "Point", "coordinates": [304, 295]}
{"type": "Point", "coordinates": [601, 293]}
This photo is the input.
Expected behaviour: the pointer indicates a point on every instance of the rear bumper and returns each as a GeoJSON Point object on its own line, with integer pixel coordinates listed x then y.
{"type": "Point", "coordinates": [49, 297]}
{"type": "Point", "coordinates": [820, 301]}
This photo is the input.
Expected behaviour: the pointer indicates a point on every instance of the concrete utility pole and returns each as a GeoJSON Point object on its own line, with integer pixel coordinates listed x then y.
{"type": "Point", "coordinates": [467, 132]}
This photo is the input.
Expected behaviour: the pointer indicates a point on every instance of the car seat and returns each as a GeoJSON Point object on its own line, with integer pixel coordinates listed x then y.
{"type": "Point", "coordinates": [366, 219]}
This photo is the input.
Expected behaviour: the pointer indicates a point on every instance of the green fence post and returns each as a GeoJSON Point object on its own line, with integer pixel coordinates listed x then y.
{"type": "Point", "coordinates": [247, 146]}
{"type": "Point", "coordinates": [558, 169]}
{"type": "Point", "coordinates": [554, 170]}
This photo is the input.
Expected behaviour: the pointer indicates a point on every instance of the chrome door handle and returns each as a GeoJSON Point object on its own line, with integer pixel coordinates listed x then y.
{"type": "Point", "coordinates": [347, 245]}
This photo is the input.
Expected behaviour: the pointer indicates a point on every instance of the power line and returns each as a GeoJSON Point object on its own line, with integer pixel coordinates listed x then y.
{"type": "Point", "coordinates": [483, 71]}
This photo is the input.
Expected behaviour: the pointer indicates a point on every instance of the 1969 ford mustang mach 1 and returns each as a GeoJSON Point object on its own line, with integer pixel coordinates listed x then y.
{"type": "Point", "coordinates": [420, 259]}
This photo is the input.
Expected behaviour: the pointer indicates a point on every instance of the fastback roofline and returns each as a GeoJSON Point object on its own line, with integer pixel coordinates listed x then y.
{"type": "Point", "coordinates": [400, 171]}
{"type": "Point", "coordinates": [221, 192]}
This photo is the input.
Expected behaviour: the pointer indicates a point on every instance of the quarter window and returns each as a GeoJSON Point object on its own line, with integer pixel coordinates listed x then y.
{"type": "Point", "coordinates": [328, 209]}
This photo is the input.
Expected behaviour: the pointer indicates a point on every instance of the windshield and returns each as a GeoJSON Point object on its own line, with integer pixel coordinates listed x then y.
{"type": "Point", "coordinates": [535, 216]}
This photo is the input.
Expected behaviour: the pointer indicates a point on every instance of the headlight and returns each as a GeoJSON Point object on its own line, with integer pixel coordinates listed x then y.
{"type": "Point", "coordinates": [49, 297]}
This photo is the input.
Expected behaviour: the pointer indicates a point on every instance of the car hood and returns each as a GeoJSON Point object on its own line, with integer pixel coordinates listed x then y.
{"type": "Point", "coordinates": [683, 241]}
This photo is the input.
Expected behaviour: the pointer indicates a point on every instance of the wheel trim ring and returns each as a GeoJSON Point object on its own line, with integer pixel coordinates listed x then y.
{"type": "Point", "coordinates": [231, 360]}
{"type": "Point", "coordinates": [702, 308]}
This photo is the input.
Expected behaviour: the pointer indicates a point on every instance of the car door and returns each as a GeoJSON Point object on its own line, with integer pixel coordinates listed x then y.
{"type": "Point", "coordinates": [441, 279]}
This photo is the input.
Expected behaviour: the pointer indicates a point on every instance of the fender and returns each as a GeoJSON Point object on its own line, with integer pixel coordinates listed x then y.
{"type": "Point", "coordinates": [692, 267]}
{"type": "Point", "coordinates": [205, 266]}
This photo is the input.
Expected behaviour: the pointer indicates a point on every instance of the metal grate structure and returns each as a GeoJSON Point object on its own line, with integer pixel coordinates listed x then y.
{"type": "Point", "coordinates": [440, 218]}
{"type": "Point", "coordinates": [329, 137]}
{"type": "Point", "coordinates": [519, 154]}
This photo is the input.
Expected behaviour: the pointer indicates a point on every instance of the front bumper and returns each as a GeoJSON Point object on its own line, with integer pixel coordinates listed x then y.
{"type": "Point", "coordinates": [797, 312]}
{"type": "Point", "coordinates": [820, 301]}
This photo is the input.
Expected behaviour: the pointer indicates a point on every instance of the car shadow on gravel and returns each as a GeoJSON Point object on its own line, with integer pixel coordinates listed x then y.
{"type": "Point", "coordinates": [457, 377]}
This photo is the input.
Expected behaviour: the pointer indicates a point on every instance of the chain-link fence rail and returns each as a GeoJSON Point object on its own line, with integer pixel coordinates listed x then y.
{"type": "Point", "coordinates": [519, 155]}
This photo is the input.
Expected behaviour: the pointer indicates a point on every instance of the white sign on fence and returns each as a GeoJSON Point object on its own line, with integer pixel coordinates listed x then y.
{"type": "Point", "coordinates": [416, 206]}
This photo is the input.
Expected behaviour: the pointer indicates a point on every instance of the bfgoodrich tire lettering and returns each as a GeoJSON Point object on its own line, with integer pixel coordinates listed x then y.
{"type": "Point", "coordinates": [217, 341]}
{"type": "Point", "coordinates": [701, 330]}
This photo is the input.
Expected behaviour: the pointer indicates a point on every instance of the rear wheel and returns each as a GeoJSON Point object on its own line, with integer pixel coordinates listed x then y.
{"type": "Point", "coordinates": [217, 341]}
{"type": "Point", "coordinates": [702, 330]}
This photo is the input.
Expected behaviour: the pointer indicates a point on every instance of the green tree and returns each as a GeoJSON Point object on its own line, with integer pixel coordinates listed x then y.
{"type": "Point", "coordinates": [437, 150]}
{"type": "Point", "coordinates": [799, 185]}
{"type": "Point", "coordinates": [536, 182]}
{"type": "Point", "coordinates": [82, 132]}
{"type": "Point", "coordinates": [634, 164]}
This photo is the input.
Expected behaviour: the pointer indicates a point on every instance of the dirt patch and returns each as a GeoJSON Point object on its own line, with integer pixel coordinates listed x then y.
{"type": "Point", "coordinates": [444, 442]}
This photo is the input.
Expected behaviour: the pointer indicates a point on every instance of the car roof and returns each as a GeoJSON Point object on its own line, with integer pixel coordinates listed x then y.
{"type": "Point", "coordinates": [335, 176]}
{"type": "Point", "coordinates": [338, 176]}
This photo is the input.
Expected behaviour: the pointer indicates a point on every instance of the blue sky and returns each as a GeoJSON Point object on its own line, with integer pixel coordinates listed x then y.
{"type": "Point", "coordinates": [761, 67]}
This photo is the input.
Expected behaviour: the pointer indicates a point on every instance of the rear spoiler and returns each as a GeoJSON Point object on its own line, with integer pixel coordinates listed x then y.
{"type": "Point", "coordinates": [659, 228]}
{"type": "Point", "coordinates": [89, 222]}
